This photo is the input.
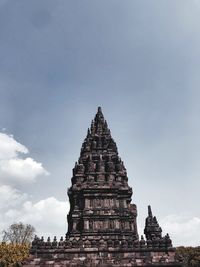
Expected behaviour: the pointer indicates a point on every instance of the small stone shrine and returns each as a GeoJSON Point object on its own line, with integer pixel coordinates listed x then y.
{"type": "Point", "coordinates": [102, 228]}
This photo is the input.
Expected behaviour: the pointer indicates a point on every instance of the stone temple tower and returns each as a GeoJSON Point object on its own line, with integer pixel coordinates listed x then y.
{"type": "Point", "coordinates": [100, 197]}
{"type": "Point", "coordinates": [102, 228]}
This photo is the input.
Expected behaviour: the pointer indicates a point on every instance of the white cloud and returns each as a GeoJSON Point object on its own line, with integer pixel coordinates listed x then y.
{"type": "Point", "coordinates": [184, 231]}
{"type": "Point", "coordinates": [9, 147]}
{"type": "Point", "coordinates": [48, 216]}
{"type": "Point", "coordinates": [10, 197]}
{"type": "Point", "coordinates": [22, 169]}
{"type": "Point", "coordinates": [13, 168]}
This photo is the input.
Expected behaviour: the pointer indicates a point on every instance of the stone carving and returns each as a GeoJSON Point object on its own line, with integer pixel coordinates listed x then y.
{"type": "Point", "coordinates": [110, 166]}
{"type": "Point", "coordinates": [54, 243]}
{"type": "Point", "coordinates": [61, 242]}
{"type": "Point", "coordinates": [90, 165]}
{"type": "Point", "coordinates": [80, 168]}
{"type": "Point", "coordinates": [101, 165]}
{"type": "Point", "coordinates": [152, 229]}
{"type": "Point", "coordinates": [94, 144]}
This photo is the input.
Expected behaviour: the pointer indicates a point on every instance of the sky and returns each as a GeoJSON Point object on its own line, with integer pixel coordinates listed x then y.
{"type": "Point", "coordinates": [137, 59]}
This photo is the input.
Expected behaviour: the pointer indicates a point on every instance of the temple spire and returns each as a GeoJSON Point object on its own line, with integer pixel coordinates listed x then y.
{"type": "Point", "coordinates": [152, 229]}
{"type": "Point", "coordinates": [149, 211]}
{"type": "Point", "coordinates": [99, 114]}
{"type": "Point", "coordinates": [99, 110]}
{"type": "Point", "coordinates": [98, 137]}
{"type": "Point", "coordinates": [99, 122]}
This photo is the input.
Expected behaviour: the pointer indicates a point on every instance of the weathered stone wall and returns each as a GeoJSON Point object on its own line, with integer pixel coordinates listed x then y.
{"type": "Point", "coordinates": [107, 257]}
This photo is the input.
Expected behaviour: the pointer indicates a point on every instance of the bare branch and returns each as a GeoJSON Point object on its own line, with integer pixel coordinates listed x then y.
{"type": "Point", "coordinates": [19, 233]}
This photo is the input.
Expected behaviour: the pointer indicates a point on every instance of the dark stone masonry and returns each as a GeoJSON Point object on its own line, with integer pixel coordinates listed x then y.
{"type": "Point", "coordinates": [102, 227]}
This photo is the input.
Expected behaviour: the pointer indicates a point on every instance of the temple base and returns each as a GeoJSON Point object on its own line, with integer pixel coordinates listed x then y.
{"type": "Point", "coordinates": [91, 257]}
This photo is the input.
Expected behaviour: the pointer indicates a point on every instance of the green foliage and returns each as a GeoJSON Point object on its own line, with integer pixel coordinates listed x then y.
{"type": "Point", "coordinates": [190, 255]}
{"type": "Point", "coordinates": [12, 255]}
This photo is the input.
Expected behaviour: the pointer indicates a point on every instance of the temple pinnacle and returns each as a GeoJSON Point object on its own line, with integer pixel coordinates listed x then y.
{"type": "Point", "coordinates": [149, 211]}
{"type": "Point", "coordinates": [99, 109]}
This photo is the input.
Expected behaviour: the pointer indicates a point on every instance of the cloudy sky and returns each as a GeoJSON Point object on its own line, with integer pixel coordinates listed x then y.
{"type": "Point", "coordinates": [140, 61]}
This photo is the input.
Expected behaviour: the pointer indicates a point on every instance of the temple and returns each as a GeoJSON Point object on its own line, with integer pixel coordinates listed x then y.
{"type": "Point", "coordinates": [102, 227]}
{"type": "Point", "coordinates": [100, 198]}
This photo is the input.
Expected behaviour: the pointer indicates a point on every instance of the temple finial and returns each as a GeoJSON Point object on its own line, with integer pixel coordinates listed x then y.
{"type": "Point", "coordinates": [99, 110]}
{"type": "Point", "coordinates": [99, 114]}
{"type": "Point", "coordinates": [99, 120]}
{"type": "Point", "coordinates": [149, 211]}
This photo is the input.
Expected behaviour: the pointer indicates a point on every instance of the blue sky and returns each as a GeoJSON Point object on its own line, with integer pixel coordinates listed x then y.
{"type": "Point", "coordinates": [139, 60]}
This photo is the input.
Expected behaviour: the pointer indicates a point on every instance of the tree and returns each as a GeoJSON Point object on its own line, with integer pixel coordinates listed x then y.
{"type": "Point", "coordinates": [19, 233]}
{"type": "Point", "coordinates": [13, 254]}
{"type": "Point", "coordinates": [190, 256]}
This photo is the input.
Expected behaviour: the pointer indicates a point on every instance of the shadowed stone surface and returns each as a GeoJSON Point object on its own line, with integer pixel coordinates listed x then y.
{"type": "Point", "coordinates": [102, 228]}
